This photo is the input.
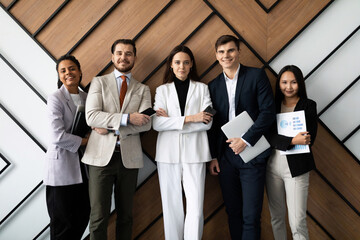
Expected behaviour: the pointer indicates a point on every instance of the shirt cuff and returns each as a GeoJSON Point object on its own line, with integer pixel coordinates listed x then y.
{"type": "Point", "coordinates": [248, 144]}
{"type": "Point", "coordinates": [124, 119]}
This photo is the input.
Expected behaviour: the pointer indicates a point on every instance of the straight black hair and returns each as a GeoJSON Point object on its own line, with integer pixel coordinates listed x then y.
{"type": "Point", "coordinates": [279, 96]}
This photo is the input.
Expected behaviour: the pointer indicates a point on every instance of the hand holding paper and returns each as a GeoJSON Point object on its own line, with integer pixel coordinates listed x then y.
{"type": "Point", "coordinates": [302, 138]}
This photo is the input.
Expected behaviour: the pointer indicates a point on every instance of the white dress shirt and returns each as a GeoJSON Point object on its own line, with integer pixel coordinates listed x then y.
{"type": "Point", "coordinates": [231, 91]}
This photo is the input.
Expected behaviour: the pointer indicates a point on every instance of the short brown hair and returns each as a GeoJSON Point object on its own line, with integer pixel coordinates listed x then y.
{"type": "Point", "coordinates": [123, 41]}
{"type": "Point", "coordinates": [225, 39]}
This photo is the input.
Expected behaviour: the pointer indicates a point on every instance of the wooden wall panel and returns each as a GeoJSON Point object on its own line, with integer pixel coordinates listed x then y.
{"type": "Point", "coordinates": [33, 13]}
{"type": "Point", "coordinates": [331, 211]}
{"type": "Point", "coordinates": [5, 2]}
{"type": "Point", "coordinates": [337, 166]}
{"type": "Point", "coordinates": [287, 19]}
{"type": "Point", "coordinates": [217, 227]}
{"type": "Point", "coordinates": [126, 21]}
{"type": "Point", "coordinates": [241, 14]}
{"type": "Point", "coordinates": [155, 232]}
{"type": "Point", "coordinates": [62, 33]}
{"type": "Point", "coordinates": [171, 28]}
{"type": "Point", "coordinates": [147, 204]}
{"type": "Point", "coordinates": [265, 33]}
{"type": "Point", "coordinates": [268, 3]}
{"type": "Point", "coordinates": [213, 73]}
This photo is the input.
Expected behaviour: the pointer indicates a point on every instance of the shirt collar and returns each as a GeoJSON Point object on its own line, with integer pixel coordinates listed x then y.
{"type": "Point", "coordinates": [118, 74]}
{"type": "Point", "coordinates": [236, 74]}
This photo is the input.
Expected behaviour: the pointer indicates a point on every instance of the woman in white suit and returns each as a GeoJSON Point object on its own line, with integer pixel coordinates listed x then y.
{"type": "Point", "coordinates": [182, 148]}
{"type": "Point", "coordinates": [65, 178]}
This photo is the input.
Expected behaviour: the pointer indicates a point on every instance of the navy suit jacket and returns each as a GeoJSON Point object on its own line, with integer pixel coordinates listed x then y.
{"type": "Point", "coordinates": [254, 95]}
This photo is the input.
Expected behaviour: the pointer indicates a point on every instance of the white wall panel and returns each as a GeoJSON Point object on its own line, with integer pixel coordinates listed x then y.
{"type": "Point", "coordinates": [26, 169]}
{"type": "Point", "coordinates": [353, 144]}
{"type": "Point", "coordinates": [321, 37]}
{"type": "Point", "coordinates": [344, 115]}
{"type": "Point", "coordinates": [336, 73]}
{"type": "Point", "coordinates": [23, 103]}
{"type": "Point", "coordinates": [26, 56]}
{"type": "Point", "coordinates": [29, 220]}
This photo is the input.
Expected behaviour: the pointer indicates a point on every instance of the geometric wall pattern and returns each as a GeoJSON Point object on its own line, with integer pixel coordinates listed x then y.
{"type": "Point", "coordinates": [320, 36]}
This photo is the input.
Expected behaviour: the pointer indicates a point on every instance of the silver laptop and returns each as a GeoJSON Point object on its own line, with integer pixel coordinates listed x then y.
{"type": "Point", "coordinates": [236, 129]}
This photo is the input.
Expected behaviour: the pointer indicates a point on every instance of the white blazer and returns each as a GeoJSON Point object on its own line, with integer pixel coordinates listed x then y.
{"type": "Point", "coordinates": [178, 142]}
{"type": "Point", "coordinates": [62, 165]}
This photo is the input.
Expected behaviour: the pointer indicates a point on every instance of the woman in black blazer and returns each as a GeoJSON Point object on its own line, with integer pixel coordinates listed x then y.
{"type": "Point", "coordinates": [287, 176]}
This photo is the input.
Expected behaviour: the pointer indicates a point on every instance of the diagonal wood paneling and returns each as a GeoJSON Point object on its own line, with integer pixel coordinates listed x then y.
{"type": "Point", "coordinates": [268, 32]}
{"type": "Point", "coordinates": [71, 24]}
{"type": "Point", "coordinates": [331, 211]}
{"type": "Point", "coordinates": [265, 33]}
{"type": "Point", "coordinates": [126, 21]}
{"type": "Point", "coordinates": [338, 166]}
{"type": "Point", "coordinates": [33, 13]}
{"type": "Point", "coordinates": [287, 19]}
{"type": "Point", "coordinates": [6, 3]}
{"type": "Point", "coordinates": [168, 31]}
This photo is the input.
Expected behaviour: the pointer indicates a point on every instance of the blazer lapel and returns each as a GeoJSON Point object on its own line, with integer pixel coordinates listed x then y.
{"type": "Point", "coordinates": [175, 97]}
{"type": "Point", "coordinates": [239, 84]}
{"type": "Point", "coordinates": [190, 92]}
{"type": "Point", "coordinates": [68, 99]}
{"type": "Point", "coordinates": [221, 88]}
{"type": "Point", "coordinates": [113, 89]}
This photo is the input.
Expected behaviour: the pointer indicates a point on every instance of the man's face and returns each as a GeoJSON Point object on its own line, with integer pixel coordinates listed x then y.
{"type": "Point", "coordinates": [123, 57]}
{"type": "Point", "coordinates": [228, 55]}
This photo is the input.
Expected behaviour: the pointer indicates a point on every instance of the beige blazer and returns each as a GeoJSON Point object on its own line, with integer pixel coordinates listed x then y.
{"type": "Point", "coordinates": [178, 142]}
{"type": "Point", "coordinates": [103, 111]}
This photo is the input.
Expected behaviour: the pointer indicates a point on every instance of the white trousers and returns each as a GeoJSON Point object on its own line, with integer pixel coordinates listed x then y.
{"type": "Point", "coordinates": [172, 177]}
{"type": "Point", "coordinates": [280, 185]}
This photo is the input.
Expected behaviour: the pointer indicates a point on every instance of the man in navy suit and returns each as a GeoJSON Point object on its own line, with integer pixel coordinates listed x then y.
{"type": "Point", "coordinates": [240, 88]}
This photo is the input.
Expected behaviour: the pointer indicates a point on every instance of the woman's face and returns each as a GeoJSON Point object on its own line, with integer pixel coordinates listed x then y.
{"type": "Point", "coordinates": [69, 74]}
{"type": "Point", "coordinates": [181, 65]}
{"type": "Point", "coordinates": [288, 85]}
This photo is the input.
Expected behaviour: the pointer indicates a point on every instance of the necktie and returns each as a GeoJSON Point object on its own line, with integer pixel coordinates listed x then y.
{"type": "Point", "coordinates": [123, 90]}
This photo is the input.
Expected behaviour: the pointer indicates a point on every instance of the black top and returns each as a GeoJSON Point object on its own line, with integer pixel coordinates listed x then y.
{"type": "Point", "coordinates": [182, 88]}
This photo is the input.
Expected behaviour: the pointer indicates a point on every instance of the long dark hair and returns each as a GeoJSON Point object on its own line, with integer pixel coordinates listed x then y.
{"type": "Point", "coordinates": [279, 96]}
{"type": "Point", "coordinates": [169, 75]}
{"type": "Point", "coordinates": [66, 57]}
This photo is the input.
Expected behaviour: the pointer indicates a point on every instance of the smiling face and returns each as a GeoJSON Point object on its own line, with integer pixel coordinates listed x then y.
{"type": "Point", "coordinates": [181, 65]}
{"type": "Point", "coordinates": [228, 55]}
{"type": "Point", "coordinates": [69, 75]}
{"type": "Point", "coordinates": [123, 57]}
{"type": "Point", "coordinates": [288, 85]}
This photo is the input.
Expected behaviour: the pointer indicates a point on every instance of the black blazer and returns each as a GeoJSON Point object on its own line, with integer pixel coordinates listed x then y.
{"type": "Point", "coordinates": [254, 95]}
{"type": "Point", "coordinates": [298, 163]}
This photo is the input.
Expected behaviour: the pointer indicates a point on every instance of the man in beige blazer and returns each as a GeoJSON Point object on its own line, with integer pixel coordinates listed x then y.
{"type": "Point", "coordinates": [114, 152]}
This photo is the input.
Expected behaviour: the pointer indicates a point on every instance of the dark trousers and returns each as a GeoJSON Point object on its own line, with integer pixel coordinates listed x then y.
{"type": "Point", "coordinates": [69, 210]}
{"type": "Point", "coordinates": [101, 182]}
{"type": "Point", "coordinates": [242, 186]}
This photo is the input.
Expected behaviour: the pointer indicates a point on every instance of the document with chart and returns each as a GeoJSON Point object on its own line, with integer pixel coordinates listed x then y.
{"type": "Point", "coordinates": [290, 124]}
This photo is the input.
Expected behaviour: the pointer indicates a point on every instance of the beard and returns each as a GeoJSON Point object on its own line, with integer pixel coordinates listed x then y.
{"type": "Point", "coordinates": [124, 69]}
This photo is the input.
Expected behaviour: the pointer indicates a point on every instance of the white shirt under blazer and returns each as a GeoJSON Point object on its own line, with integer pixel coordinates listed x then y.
{"type": "Point", "coordinates": [178, 142]}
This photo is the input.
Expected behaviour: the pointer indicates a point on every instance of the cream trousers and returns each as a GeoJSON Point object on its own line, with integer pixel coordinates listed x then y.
{"type": "Point", "coordinates": [172, 177]}
{"type": "Point", "coordinates": [284, 190]}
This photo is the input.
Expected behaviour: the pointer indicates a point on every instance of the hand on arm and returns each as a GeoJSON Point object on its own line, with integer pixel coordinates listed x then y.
{"type": "Point", "coordinates": [204, 117]}
{"type": "Point", "coordinates": [237, 145]}
{"type": "Point", "coordinates": [161, 113]}
{"type": "Point", "coordinates": [138, 119]}
{"type": "Point", "coordinates": [302, 138]}
{"type": "Point", "coordinates": [101, 131]}
{"type": "Point", "coordinates": [214, 167]}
